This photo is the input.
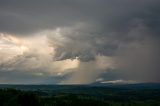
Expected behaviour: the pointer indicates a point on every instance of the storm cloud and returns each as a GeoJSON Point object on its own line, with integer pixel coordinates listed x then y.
{"type": "Point", "coordinates": [100, 38]}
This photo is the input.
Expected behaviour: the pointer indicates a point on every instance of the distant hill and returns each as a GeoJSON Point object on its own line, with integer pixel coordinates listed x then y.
{"type": "Point", "coordinates": [131, 86]}
{"type": "Point", "coordinates": [71, 87]}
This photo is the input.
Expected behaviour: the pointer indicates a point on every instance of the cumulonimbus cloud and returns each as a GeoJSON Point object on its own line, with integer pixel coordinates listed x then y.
{"type": "Point", "coordinates": [124, 34]}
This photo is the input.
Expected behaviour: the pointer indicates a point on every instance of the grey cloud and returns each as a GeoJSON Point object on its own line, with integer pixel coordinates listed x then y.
{"type": "Point", "coordinates": [83, 42]}
{"type": "Point", "coordinates": [28, 69]}
{"type": "Point", "coordinates": [139, 62]}
{"type": "Point", "coordinates": [22, 77]}
{"type": "Point", "coordinates": [125, 30]}
{"type": "Point", "coordinates": [109, 28]}
{"type": "Point", "coordinates": [21, 16]}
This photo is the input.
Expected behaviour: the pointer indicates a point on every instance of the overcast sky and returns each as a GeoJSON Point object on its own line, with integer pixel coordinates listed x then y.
{"type": "Point", "coordinates": [79, 41]}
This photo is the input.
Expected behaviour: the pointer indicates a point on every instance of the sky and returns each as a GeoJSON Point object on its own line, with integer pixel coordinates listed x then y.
{"type": "Point", "coordinates": [79, 41]}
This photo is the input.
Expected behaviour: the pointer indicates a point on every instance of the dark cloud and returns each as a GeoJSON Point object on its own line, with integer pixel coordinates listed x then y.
{"type": "Point", "coordinates": [22, 77]}
{"type": "Point", "coordinates": [127, 31]}
{"type": "Point", "coordinates": [21, 16]}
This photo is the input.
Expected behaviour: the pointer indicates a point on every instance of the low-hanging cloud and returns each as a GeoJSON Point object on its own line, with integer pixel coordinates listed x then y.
{"type": "Point", "coordinates": [124, 34]}
{"type": "Point", "coordinates": [81, 42]}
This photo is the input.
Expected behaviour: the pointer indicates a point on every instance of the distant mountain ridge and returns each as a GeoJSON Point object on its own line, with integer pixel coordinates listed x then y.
{"type": "Point", "coordinates": [135, 85]}
{"type": "Point", "coordinates": [62, 87]}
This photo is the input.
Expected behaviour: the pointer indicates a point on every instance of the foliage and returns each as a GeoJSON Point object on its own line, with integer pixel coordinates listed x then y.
{"type": "Point", "coordinates": [111, 97]}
